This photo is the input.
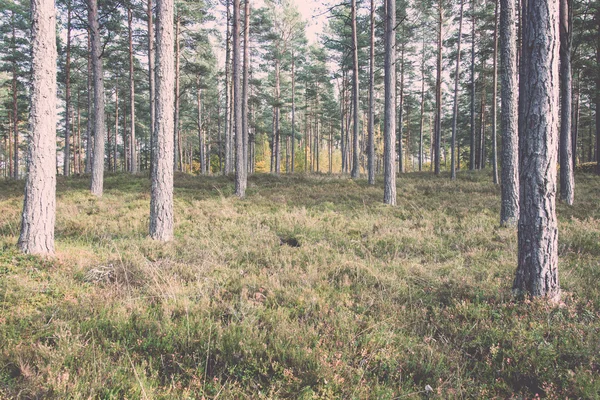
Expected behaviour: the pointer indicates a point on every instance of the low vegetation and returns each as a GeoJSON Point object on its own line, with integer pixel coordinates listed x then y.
{"type": "Point", "coordinates": [309, 288]}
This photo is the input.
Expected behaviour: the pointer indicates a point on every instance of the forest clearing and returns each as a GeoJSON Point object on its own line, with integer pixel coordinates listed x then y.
{"type": "Point", "coordinates": [308, 288]}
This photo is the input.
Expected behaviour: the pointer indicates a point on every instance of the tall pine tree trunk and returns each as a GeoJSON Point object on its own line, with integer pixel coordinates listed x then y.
{"type": "Point", "coordinates": [455, 111]}
{"type": "Point", "coordinates": [355, 150]}
{"type": "Point", "coordinates": [88, 133]}
{"type": "Point", "coordinates": [161, 200]}
{"type": "Point", "coordinates": [495, 100]}
{"type": "Point", "coordinates": [438, 95]}
{"type": "Point", "coordinates": [39, 206]}
{"type": "Point", "coordinates": [241, 175]}
{"type": "Point", "coordinates": [133, 165]}
{"type": "Point", "coordinates": [509, 211]}
{"type": "Point", "coordinates": [245, 93]}
{"type": "Point", "coordinates": [567, 180]}
{"type": "Point", "coordinates": [371, 146]}
{"type": "Point", "coordinates": [472, 147]}
{"type": "Point", "coordinates": [151, 82]}
{"type": "Point", "coordinates": [98, 159]}
{"type": "Point", "coordinates": [537, 272]}
{"type": "Point", "coordinates": [67, 153]}
{"type": "Point", "coordinates": [176, 133]}
{"type": "Point", "coordinates": [227, 139]}
{"type": "Point", "coordinates": [389, 145]}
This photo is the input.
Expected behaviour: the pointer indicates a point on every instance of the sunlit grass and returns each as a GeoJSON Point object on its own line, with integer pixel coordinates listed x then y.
{"type": "Point", "coordinates": [308, 288]}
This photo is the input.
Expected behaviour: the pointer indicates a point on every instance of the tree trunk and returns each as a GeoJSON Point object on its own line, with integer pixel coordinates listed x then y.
{"type": "Point", "coordinates": [576, 122]}
{"type": "Point", "coordinates": [246, 72]}
{"type": "Point", "coordinates": [201, 138]}
{"type": "Point", "coordinates": [15, 104]}
{"type": "Point", "coordinates": [88, 133]}
{"type": "Point", "coordinates": [228, 167]}
{"type": "Point", "coordinates": [597, 96]}
{"type": "Point", "coordinates": [39, 206]}
{"type": "Point", "coordinates": [133, 167]}
{"type": "Point", "coordinates": [176, 133]}
{"type": "Point", "coordinates": [537, 272]}
{"type": "Point", "coordinates": [389, 145]}
{"type": "Point", "coordinates": [438, 95]}
{"type": "Point", "coordinates": [98, 159]}
{"type": "Point", "coordinates": [495, 100]}
{"type": "Point", "coordinates": [509, 212]}
{"type": "Point", "coordinates": [371, 146]}
{"type": "Point", "coordinates": [401, 109]}
{"type": "Point", "coordinates": [455, 111]}
{"type": "Point", "coordinates": [151, 81]}
{"type": "Point", "coordinates": [161, 201]}
{"type": "Point", "coordinates": [241, 175]}
{"type": "Point", "coordinates": [67, 153]}
{"type": "Point", "coordinates": [355, 150]}
{"type": "Point", "coordinates": [277, 136]}
{"type": "Point", "coordinates": [472, 149]}
{"type": "Point", "coordinates": [567, 180]}
{"type": "Point", "coordinates": [422, 123]}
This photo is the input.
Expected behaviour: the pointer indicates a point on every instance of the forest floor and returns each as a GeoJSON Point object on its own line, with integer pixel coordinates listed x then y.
{"type": "Point", "coordinates": [309, 288]}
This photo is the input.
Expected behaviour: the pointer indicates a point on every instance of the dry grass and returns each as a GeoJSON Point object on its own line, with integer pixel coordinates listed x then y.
{"type": "Point", "coordinates": [309, 288]}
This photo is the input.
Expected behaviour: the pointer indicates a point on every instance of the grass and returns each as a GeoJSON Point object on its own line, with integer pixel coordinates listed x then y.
{"type": "Point", "coordinates": [309, 288]}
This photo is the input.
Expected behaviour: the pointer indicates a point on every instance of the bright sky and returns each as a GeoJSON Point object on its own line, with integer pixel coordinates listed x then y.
{"type": "Point", "coordinates": [313, 12]}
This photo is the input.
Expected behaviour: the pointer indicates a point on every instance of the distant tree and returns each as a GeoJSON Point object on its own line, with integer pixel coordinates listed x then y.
{"type": "Point", "coordinates": [537, 272]}
{"type": "Point", "coordinates": [39, 207]}
{"type": "Point", "coordinates": [567, 180]}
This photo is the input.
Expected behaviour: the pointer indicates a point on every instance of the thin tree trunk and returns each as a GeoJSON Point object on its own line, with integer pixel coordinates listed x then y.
{"type": "Point", "coordinates": [228, 167]}
{"type": "Point", "coordinates": [98, 161]}
{"type": "Point", "coordinates": [88, 133]}
{"type": "Point", "coordinates": [246, 72]}
{"type": "Point", "coordinates": [389, 145]}
{"type": "Point", "coordinates": [576, 122]}
{"type": "Point", "coordinates": [422, 123]}
{"type": "Point", "coordinates": [133, 166]}
{"type": "Point", "coordinates": [67, 153]}
{"type": "Point", "coordinates": [438, 95]}
{"type": "Point", "coordinates": [355, 150]}
{"type": "Point", "coordinates": [455, 111]}
{"type": "Point", "coordinates": [151, 85]}
{"type": "Point", "coordinates": [161, 201]}
{"type": "Point", "coordinates": [509, 212]}
{"type": "Point", "coordinates": [201, 138]}
{"type": "Point", "coordinates": [15, 104]}
{"type": "Point", "coordinates": [276, 144]}
{"type": "Point", "coordinates": [537, 272]}
{"type": "Point", "coordinates": [495, 100]}
{"type": "Point", "coordinates": [371, 146]}
{"type": "Point", "coordinates": [176, 133]}
{"type": "Point", "coordinates": [401, 109]}
{"type": "Point", "coordinates": [567, 180]}
{"type": "Point", "coordinates": [293, 111]}
{"type": "Point", "coordinates": [241, 175]}
{"type": "Point", "coordinates": [39, 205]}
{"type": "Point", "coordinates": [472, 151]}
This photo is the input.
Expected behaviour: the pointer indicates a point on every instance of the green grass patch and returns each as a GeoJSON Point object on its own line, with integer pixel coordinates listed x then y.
{"type": "Point", "coordinates": [309, 288]}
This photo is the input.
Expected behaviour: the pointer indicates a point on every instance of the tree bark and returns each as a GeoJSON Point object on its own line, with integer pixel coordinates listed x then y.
{"type": "Point", "coordinates": [176, 165]}
{"type": "Point", "coordinates": [15, 104]}
{"type": "Point", "coordinates": [355, 149]}
{"type": "Point", "coordinates": [422, 123]}
{"type": "Point", "coordinates": [509, 212]}
{"type": "Point", "coordinates": [201, 138]}
{"type": "Point", "coordinates": [495, 101]}
{"type": "Point", "coordinates": [245, 90]}
{"type": "Point", "coordinates": [276, 132]}
{"type": "Point", "coordinates": [455, 111]}
{"type": "Point", "coordinates": [537, 272]}
{"type": "Point", "coordinates": [89, 135]}
{"type": "Point", "coordinates": [133, 166]}
{"type": "Point", "coordinates": [67, 153]}
{"type": "Point", "coordinates": [567, 180]}
{"type": "Point", "coordinates": [241, 176]}
{"type": "Point", "coordinates": [39, 206]}
{"type": "Point", "coordinates": [472, 149]}
{"type": "Point", "coordinates": [161, 202]}
{"type": "Point", "coordinates": [371, 146]}
{"type": "Point", "coordinates": [389, 145]}
{"type": "Point", "coordinates": [228, 168]}
{"type": "Point", "coordinates": [151, 82]}
{"type": "Point", "coordinates": [438, 95]}
{"type": "Point", "coordinates": [98, 160]}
